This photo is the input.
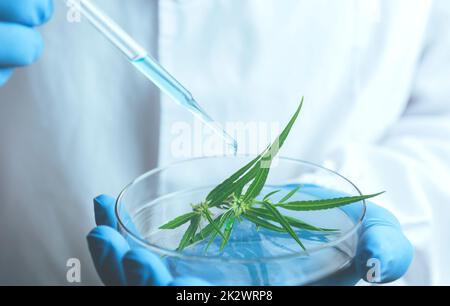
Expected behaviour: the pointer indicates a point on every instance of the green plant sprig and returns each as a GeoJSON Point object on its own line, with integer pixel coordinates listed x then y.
{"type": "Point", "coordinates": [236, 199]}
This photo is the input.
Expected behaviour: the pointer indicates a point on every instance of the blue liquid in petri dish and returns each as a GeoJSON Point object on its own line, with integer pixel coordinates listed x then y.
{"type": "Point", "coordinates": [255, 245]}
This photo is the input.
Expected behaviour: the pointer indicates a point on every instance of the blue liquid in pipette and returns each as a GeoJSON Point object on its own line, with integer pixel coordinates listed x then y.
{"type": "Point", "coordinates": [170, 86]}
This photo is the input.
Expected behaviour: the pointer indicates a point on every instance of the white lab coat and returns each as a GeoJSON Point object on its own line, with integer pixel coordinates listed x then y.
{"type": "Point", "coordinates": [81, 122]}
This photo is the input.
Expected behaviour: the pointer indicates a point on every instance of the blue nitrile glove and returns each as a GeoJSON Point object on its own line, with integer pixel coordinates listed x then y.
{"type": "Point", "coordinates": [20, 43]}
{"type": "Point", "coordinates": [381, 238]}
{"type": "Point", "coordinates": [117, 263]}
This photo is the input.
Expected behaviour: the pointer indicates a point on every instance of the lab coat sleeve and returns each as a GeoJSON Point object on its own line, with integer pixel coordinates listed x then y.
{"type": "Point", "coordinates": [412, 160]}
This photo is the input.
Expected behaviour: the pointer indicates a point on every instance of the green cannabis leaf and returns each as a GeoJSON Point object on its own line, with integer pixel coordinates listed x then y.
{"type": "Point", "coordinates": [284, 223]}
{"type": "Point", "coordinates": [235, 199]}
{"type": "Point", "coordinates": [324, 204]}
{"type": "Point", "coordinates": [289, 195]}
{"type": "Point", "coordinates": [190, 233]}
{"type": "Point", "coordinates": [179, 221]}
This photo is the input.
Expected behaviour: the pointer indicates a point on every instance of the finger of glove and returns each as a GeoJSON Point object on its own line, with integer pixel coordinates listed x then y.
{"type": "Point", "coordinates": [143, 268]}
{"type": "Point", "coordinates": [26, 12]}
{"type": "Point", "coordinates": [5, 75]}
{"type": "Point", "coordinates": [107, 248]}
{"type": "Point", "coordinates": [384, 253]}
{"type": "Point", "coordinates": [104, 209]}
{"type": "Point", "coordinates": [20, 45]}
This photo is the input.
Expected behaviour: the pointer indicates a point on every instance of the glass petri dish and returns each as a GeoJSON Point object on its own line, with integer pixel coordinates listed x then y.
{"type": "Point", "coordinates": [253, 256]}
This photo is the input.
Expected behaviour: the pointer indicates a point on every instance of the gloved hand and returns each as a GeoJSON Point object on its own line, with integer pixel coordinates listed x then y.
{"type": "Point", "coordinates": [381, 238]}
{"type": "Point", "coordinates": [116, 263]}
{"type": "Point", "coordinates": [20, 43]}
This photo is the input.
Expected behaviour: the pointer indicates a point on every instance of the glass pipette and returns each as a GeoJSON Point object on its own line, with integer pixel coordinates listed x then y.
{"type": "Point", "coordinates": [147, 65]}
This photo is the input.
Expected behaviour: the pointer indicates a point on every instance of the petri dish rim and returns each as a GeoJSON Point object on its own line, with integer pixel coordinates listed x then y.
{"type": "Point", "coordinates": [166, 252]}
